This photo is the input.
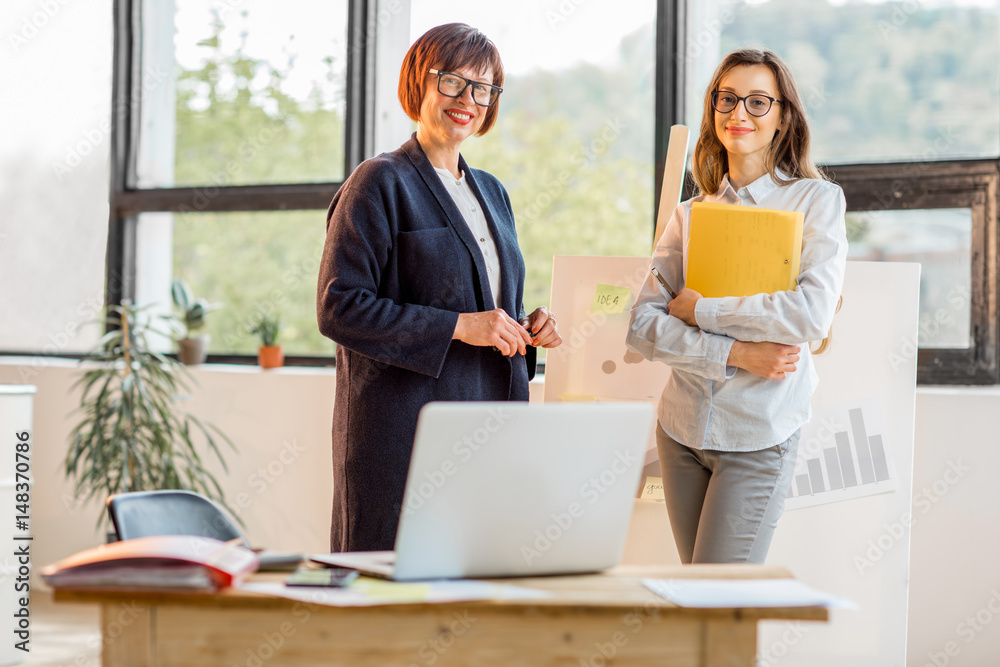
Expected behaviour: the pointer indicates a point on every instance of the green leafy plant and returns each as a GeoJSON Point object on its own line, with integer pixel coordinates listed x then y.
{"type": "Point", "coordinates": [267, 329]}
{"type": "Point", "coordinates": [133, 434]}
{"type": "Point", "coordinates": [193, 311]}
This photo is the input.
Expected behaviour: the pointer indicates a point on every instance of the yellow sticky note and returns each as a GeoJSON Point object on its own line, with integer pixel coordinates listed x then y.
{"type": "Point", "coordinates": [578, 398]}
{"type": "Point", "coordinates": [390, 591]}
{"type": "Point", "coordinates": [610, 299]}
{"type": "Point", "coordinates": [652, 489]}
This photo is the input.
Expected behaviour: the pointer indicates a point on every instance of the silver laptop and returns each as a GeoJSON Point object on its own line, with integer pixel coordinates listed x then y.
{"type": "Point", "coordinates": [513, 489]}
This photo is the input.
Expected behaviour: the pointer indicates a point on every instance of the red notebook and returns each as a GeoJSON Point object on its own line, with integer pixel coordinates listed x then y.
{"type": "Point", "coordinates": [162, 563]}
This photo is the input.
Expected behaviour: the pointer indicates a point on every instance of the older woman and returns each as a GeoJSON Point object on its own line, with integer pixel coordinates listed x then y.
{"type": "Point", "coordinates": [421, 284]}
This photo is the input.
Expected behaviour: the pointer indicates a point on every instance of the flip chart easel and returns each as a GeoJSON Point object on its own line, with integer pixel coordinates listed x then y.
{"type": "Point", "coordinates": [673, 177]}
{"type": "Point", "coordinates": [827, 545]}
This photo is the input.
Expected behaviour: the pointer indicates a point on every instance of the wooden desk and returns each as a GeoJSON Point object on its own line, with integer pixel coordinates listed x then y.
{"type": "Point", "coordinates": [588, 621]}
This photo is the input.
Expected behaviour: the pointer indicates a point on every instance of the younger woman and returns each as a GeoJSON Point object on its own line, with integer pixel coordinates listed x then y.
{"type": "Point", "coordinates": [741, 371]}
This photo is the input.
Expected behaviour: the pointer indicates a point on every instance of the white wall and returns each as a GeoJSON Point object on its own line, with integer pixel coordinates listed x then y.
{"type": "Point", "coordinates": [279, 480]}
{"type": "Point", "coordinates": [955, 551]}
{"type": "Point", "coordinates": [956, 531]}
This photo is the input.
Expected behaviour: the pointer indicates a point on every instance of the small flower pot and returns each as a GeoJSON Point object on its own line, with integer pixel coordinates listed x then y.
{"type": "Point", "coordinates": [271, 356]}
{"type": "Point", "coordinates": [192, 351]}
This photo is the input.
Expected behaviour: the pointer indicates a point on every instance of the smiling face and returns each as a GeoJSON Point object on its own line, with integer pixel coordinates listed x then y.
{"type": "Point", "coordinates": [747, 137]}
{"type": "Point", "coordinates": [448, 121]}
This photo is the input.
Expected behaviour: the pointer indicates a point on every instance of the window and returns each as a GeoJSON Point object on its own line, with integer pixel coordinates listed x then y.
{"type": "Point", "coordinates": [912, 134]}
{"type": "Point", "coordinates": [235, 123]}
{"type": "Point", "coordinates": [881, 80]}
{"type": "Point", "coordinates": [248, 94]}
{"type": "Point", "coordinates": [53, 176]}
{"type": "Point", "coordinates": [573, 144]}
{"type": "Point", "coordinates": [242, 114]}
{"type": "Point", "coordinates": [941, 241]}
{"type": "Point", "coordinates": [228, 161]}
{"type": "Point", "coordinates": [950, 213]}
{"type": "Point", "coordinates": [253, 264]}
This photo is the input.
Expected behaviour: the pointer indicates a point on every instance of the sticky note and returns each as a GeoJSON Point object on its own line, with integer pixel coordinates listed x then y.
{"type": "Point", "coordinates": [610, 299]}
{"type": "Point", "coordinates": [578, 398]}
{"type": "Point", "coordinates": [391, 590]}
{"type": "Point", "coordinates": [652, 489]}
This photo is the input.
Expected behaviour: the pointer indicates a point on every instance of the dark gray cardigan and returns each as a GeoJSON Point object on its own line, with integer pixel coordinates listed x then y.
{"type": "Point", "coordinates": [399, 265]}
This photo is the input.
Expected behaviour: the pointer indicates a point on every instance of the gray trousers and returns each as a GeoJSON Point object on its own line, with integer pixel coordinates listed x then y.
{"type": "Point", "coordinates": [724, 506]}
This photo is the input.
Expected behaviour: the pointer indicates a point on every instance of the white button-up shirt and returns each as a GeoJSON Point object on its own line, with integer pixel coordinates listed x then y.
{"type": "Point", "coordinates": [707, 404]}
{"type": "Point", "coordinates": [474, 217]}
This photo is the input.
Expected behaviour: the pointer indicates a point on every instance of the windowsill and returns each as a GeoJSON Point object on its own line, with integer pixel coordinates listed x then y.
{"type": "Point", "coordinates": [234, 369]}
{"type": "Point", "coordinates": [958, 389]}
{"type": "Point", "coordinates": [313, 371]}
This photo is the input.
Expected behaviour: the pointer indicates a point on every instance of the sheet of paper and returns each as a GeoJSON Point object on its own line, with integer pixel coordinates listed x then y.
{"type": "Point", "coordinates": [729, 593]}
{"type": "Point", "coordinates": [366, 592]}
{"type": "Point", "coordinates": [610, 299]}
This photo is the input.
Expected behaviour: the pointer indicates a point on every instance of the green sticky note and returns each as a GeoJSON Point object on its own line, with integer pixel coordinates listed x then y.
{"type": "Point", "coordinates": [610, 299]}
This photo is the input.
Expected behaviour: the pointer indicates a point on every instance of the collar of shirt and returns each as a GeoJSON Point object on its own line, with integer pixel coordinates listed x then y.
{"type": "Point", "coordinates": [450, 177]}
{"type": "Point", "coordinates": [753, 193]}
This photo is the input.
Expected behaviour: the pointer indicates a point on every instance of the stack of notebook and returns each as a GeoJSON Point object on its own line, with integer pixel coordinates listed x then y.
{"type": "Point", "coordinates": [165, 562]}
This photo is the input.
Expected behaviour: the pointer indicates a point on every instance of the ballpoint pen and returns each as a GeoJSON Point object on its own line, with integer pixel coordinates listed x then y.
{"type": "Point", "coordinates": [663, 282]}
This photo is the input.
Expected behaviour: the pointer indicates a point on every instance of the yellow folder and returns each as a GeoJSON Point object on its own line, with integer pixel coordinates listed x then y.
{"type": "Point", "coordinates": [742, 250]}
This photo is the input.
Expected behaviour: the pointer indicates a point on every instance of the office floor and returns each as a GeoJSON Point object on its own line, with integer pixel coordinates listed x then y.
{"type": "Point", "coordinates": [63, 635]}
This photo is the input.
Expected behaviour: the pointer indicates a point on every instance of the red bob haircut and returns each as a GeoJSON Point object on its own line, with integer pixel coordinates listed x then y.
{"type": "Point", "coordinates": [446, 48]}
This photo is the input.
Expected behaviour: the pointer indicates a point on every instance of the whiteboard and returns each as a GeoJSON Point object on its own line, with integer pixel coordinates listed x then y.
{"type": "Point", "coordinates": [593, 363]}
{"type": "Point", "coordinates": [859, 548]}
{"type": "Point", "coordinates": [832, 544]}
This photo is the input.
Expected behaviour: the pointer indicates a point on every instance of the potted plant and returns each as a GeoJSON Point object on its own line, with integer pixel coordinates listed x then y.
{"type": "Point", "coordinates": [192, 349]}
{"type": "Point", "coordinates": [270, 354]}
{"type": "Point", "coordinates": [132, 434]}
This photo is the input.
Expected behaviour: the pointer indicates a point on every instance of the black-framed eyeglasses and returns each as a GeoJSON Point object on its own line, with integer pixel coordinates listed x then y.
{"type": "Point", "coordinates": [453, 85]}
{"type": "Point", "coordinates": [758, 105]}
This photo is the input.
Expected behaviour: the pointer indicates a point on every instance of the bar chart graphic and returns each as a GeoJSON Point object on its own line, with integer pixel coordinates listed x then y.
{"type": "Point", "coordinates": [843, 454]}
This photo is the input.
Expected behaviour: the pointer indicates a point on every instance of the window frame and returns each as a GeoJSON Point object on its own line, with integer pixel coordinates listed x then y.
{"type": "Point", "coordinates": [128, 201]}
{"type": "Point", "coordinates": [898, 185]}
{"type": "Point", "coordinates": [971, 184]}
{"type": "Point", "coordinates": [916, 185]}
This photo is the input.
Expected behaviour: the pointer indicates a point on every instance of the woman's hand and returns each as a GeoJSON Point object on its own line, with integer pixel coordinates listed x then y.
{"type": "Point", "coordinates": [768, 360]}
{"type": "Point", "coordinates": [492, 328]}
{"type": "Point", "coordinates": [683, 306]}
{"type": "Point", "coordinates": [542, 328]}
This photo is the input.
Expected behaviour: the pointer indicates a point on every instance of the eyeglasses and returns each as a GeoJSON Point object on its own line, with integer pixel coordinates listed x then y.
{"type": "Point", "coordinates": [453, 85]}
{"type": "Point", "coordinates": [756, 105]}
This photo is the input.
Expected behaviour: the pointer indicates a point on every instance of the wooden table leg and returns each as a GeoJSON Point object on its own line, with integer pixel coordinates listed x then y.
{"type": "Point", "coordinates": [730, 644]}
{"type": "Point", "coordinates": [127, 635]}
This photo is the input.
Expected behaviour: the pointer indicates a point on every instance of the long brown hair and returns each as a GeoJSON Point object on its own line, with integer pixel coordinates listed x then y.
{"type": "Point", "coordinates": [789, 150]}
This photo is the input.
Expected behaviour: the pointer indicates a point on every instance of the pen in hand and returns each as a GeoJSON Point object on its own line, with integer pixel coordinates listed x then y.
{"type": "Point", "coordinates": [663, 281]}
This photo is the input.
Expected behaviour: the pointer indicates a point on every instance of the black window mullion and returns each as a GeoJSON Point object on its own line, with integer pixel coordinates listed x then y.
{"type": "Point", "coordinates": [214, 199]}
{"type": "Point", "coordinates": [121, 250]}
{"type": "Point", "coordinates": [669, 81]}
{"type": "Point", "coordinates": [359, 141]}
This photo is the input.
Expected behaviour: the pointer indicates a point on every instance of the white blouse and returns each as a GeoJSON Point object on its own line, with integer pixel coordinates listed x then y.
{"type": "Point", "coordinates": [706, 403]}
{"type": "Point", "coordinates": [472, 212]}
